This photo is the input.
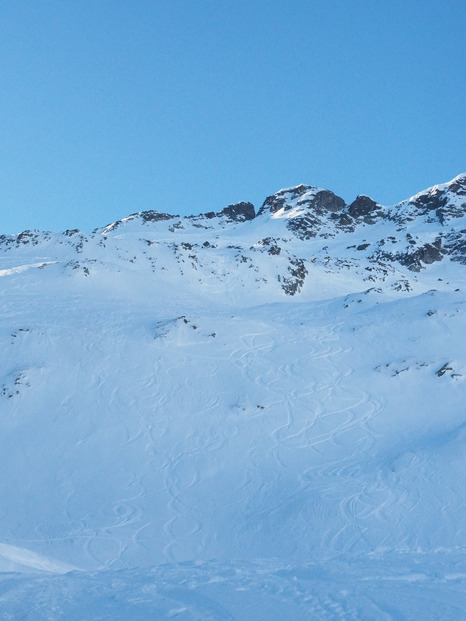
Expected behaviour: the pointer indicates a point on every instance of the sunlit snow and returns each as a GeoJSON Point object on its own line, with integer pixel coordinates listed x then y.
{"type": "Point", "coordinates": [193, 426]}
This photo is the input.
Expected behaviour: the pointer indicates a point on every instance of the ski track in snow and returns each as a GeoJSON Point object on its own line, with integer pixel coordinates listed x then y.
{"type": "Point", "coordinates": [227, 591]}
{"type": "Point", "coordinates": [320, 431]}
{"type": "Point", "coordinates": [337, 410]}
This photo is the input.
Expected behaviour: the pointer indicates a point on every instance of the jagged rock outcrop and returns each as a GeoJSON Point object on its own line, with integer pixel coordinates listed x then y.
{"type": "Point", "coordinates": [362, 206]}
{"type": "Point", "coordinates": [440, 203]}
{"type": "Point", "coordinates": [145, 217]}
{"type": "Point", "coordinates": [239, 212]}
{"type": "Point", "coordinates": [306, 209]}
{"type": "Point", "coordinates": [303, 196]}
{"type": "Point", "coordinates": [423, 255]}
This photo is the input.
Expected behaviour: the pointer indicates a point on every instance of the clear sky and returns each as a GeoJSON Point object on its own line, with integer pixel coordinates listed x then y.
{"type": "Point", "coordinates": [108, 107]}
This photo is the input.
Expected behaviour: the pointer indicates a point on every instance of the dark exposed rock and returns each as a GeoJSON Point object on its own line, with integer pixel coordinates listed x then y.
{"type": "Point", "coordinates": [154, 216]}
{"type": "Point", "coordinates": [434, 199]}
{"type": "Point", "coordinates": [32, 237]}
{"type": "Point", "coordinates": [458, 185]}
{"type": "Point", "coordinates": [414, 258]}
{"type": "Point", "coordinates": [272, 203]}
{"type": "Point", "coordinates": [313, 222]}
{"type": "Point", "coordinates": [362, 206]}
{"type": "Point", "coordinates": [431, 252]}
{"type": "Point", "coordinates": [6, 240]}
{"type": "Point", "coordinates": [240, 212]}
{"type": "Point", "coordinates": [427, 254]}
{"type": "Point", "coordinates": [299, 190]}
{"type": "Point", "coordinates": [344, 220]}
{"type": "Point", "coordinates": [455, 246]}
{"type": "Point", "coordinates": [304, 227]}
{"type": "Point", "coordinates": [446, 367]}
{"type": "Point", "coordinates": [438, 200]}
{"type": "Point", "coordinates": [275, 250]}
{"type": "Point", "coordinates": [327, 201]}
{"type": "Point", "coordinates": [268, 243]}
{"type": "Point", "coordinates": [314, 206]}
{"type": "Point", "coordinates": [320, 202]}
{"type": "Point", "coordinates": [298, 272]}
{"type": "Point", "coordinates": [272, 246]}
{"type": "Point", "coordinates": [146, 216]}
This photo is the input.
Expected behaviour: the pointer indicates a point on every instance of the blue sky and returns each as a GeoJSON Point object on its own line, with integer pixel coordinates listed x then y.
{"type": "Point", "coordinates": [110, 107]}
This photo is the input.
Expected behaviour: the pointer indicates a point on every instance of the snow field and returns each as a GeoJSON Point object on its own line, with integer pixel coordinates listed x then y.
{"type": "Point", "coordinates": [303, 434]}
{"type": "Point", "coordinates": [181, 439]}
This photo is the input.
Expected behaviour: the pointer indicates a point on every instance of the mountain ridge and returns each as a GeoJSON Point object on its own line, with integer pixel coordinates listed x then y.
{"type": "Point", "coordinates": [320, 200]}
{"type": "Point", "coordinates": [287, 240]}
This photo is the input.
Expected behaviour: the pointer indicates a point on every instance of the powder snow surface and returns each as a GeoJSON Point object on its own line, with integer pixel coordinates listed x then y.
{"type": "Point", "coordinates": [178, 448]}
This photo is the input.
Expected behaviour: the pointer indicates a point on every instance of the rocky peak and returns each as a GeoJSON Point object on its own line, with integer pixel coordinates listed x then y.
{"type": "Point", "coordinates": [240, 212]}
{"type": "Point", "coordinates": [154, 216]}
{"type": "Point", "coordinates": [443, 202]}
{"type": "Point", "coordinates": [143, 216]}
{"type": "Point", "coordinates": [362, 206]}
{"type": "Point", "coordinates": [458, 185]}
{"type": "Point", "coordinates": [314, 199]}
{"type": "Point", "coordinates": [274, 203]}
{"type": "Point", "coordinates": [326, 201]}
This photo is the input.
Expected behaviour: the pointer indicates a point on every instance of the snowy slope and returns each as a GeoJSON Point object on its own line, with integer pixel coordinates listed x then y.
{"type": "Point", "coordinates": [237, 416]}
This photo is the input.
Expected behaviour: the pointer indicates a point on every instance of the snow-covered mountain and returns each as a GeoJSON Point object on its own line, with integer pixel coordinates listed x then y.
{"type": "Point", "coordinates": [237, 415]}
